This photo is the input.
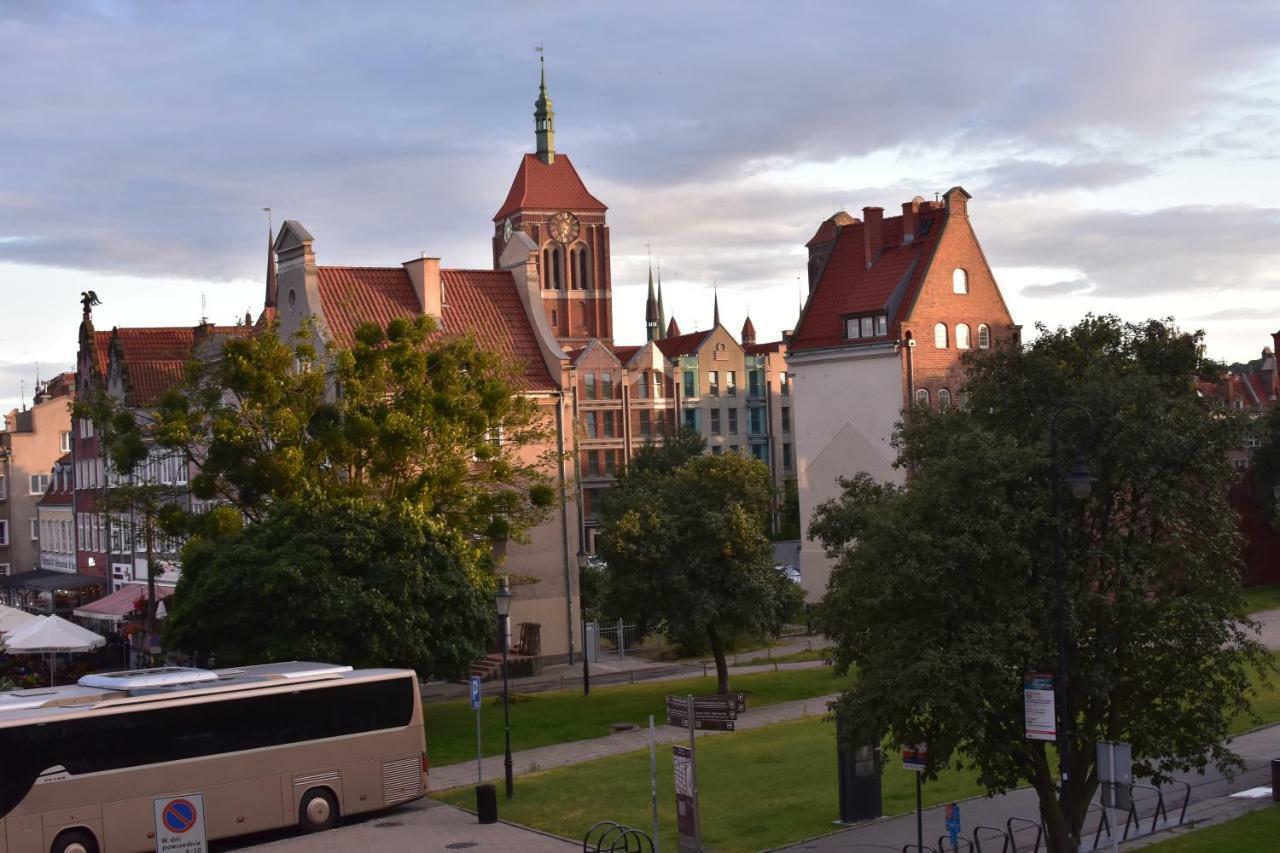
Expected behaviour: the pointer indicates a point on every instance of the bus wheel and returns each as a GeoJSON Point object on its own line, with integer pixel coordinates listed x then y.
{"type": "Point", "coordinates": [75, 841]}
{"type": "Point", "coordinates": [318, 810]}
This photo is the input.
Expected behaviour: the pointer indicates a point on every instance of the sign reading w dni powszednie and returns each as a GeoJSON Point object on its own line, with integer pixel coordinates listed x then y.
{"type": "Point", "coordinates": [1038, 706]}
{"type": "Point", "coordinates": [180, 824]}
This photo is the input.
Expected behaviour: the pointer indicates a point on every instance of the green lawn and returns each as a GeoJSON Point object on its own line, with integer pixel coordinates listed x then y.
{"type": "Point", "coordinates": [1260, 598]}
{"type": "Point", "coordinates": [1266, 704]}
{"type": "Point", "coordinates": [794, 657]}
{"type": "Point", "coordinates": [758, 789]}
{"type": "Point", "coordinates": [1255, 831]}
{"type": "Point", "coordinates": [540, 719]}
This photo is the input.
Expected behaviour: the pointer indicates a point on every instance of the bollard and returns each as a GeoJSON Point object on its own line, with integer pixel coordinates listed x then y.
{"type": "Point", "coordinates": [1275, 780]}
{"type": "Point", "coordinates": [487, 803]}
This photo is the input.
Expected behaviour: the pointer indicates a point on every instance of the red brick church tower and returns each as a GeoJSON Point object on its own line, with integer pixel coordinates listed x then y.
{"type": "Point", "coordinates": [550, 205]}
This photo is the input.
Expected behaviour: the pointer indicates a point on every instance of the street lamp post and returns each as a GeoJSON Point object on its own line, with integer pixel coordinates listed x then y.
{"type": "Point", "coordinates": [503, 599]}
{"type": "Point", "coordinates": [1081, 481]}
{"type": "Point", "coordinates": [584, 561]}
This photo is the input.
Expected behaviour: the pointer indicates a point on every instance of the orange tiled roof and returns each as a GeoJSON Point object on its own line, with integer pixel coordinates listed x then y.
{"type": "Point", "coordinates": [681, 344]}
{"type": "Point", "coordinates": [548, 186]}
{"type": "Point", "coordinates": [155, 359]}
{"type": "Point", "coordinates": [848, 286]}
{"type": "Point", "coordinates": [482, 303]}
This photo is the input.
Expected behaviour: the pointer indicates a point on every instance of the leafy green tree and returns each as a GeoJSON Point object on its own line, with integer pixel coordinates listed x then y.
{"type": "Point", "coordinates": [685, 543]}
{"type": "Point", "coordinates": [943, 593]}
{"type": "Point", "coordinates": [403, 415]}
{"type": "Point", "coordinates": [353, 579]}
{"type": "Point", "coordinates": [1265, 464]}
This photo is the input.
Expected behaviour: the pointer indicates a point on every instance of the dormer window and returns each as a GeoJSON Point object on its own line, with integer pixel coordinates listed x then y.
{"type": "Point", "coordinates": [866, 326]}
{"type": "Point", "coordinates": [959, 281]}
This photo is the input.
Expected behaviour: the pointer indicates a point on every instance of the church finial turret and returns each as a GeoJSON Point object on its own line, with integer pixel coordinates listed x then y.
{"type": "Point", "coordinates": [544, 118]}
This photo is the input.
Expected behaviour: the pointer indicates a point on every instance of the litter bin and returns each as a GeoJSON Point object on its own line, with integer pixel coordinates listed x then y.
{"type": "Point", "coordinates": [487, 803]}
{"type": "Point", "coordinates": [1275, 780]}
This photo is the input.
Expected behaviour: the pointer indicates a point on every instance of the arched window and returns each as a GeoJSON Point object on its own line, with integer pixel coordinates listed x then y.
{"type": "Point", "coordinates": [944, 398]}
{"type": "Point", "coordinates": [582, 270]}
{"type": "Point", "coordinates": [546, 269]}
{"type": "Point", "coordinates": [984, 336]}
{"type": "Point", "coordinates": [922, 396]}
{"type": "Point", "coordinates": [940, 336]}
{"type": "Point", "coordinates": [960, 281]}
{"type": "Point", "coordinates": [962, 336]}
{"type": "Point", "coordinates": [557, 267]}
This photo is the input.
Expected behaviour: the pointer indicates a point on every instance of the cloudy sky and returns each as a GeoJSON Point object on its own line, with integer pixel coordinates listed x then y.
{"type": "Point", "coordinates": [1123, 157]}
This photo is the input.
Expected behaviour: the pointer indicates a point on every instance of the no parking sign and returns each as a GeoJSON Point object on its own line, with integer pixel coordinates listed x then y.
{"type": "Point", "coordinates": [180, 824]}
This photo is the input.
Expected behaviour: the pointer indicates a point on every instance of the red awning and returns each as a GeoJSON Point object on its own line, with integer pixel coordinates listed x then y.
{"type": "Point", "coordinates": [117, 605]}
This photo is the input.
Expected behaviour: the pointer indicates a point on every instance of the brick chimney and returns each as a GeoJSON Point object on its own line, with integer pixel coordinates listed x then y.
{"type": "Point", "coordinates": [424, 275]}
{"type": "Point", "coordinates": [910, 218]}
{"type": "Point", "coordinates": [872, 232]}
{"type": "Point", "coordinates": [956, 201]}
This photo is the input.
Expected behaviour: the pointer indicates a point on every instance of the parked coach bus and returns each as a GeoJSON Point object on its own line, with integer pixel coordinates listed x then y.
{"type": "Point", "coordinates": [266, 746]}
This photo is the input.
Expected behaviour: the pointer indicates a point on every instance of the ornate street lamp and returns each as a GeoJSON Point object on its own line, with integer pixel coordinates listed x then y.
{"type": "Point", "coordinates": [584, 562]}
{"type": "Point", "coordinates": [503, 599]}
{"type": "Point", "coordinates": [1081, 481]}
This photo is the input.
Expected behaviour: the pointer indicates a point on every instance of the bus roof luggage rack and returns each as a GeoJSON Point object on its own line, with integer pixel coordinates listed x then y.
{"type": "Point", "coordinates": [136, 679]}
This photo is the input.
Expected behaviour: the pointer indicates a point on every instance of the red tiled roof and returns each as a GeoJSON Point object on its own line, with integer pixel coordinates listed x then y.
{"type": "Point", "coordinates": [102, 342]}
{"type": "Point", "coordinates": [827, 230]}
{"type": "Point", "coordinates": [681, 344]}
{"type": "Point", "coordinates": [848, 287]}
{"type": "Point", "coordinates": [482, 303]}
{"type": "Point", "coordinates": [761, 349]}
{"type": "Point", "coordinates": [155, 359]}
{"type": "Point", "coordinates": [353, 296]}
{"type": "Point", "coordinates": [548, 186]}
{"type": "Point", "coordinates": [625, 354]}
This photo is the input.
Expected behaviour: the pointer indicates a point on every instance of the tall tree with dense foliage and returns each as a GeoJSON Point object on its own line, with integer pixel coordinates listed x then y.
{"type": "Point", "coordinates": [943, 593]}
{"type": "Point", "coordinates": [367, 484]}
{"type": "Point", "coordinates": [1265, 464]}
{"type": "Point", "coordinates": [684, 536]}
{"type": "Point", "coordinates": [351, 579]}
{"type": "Point", "coordinates": [403, 415]}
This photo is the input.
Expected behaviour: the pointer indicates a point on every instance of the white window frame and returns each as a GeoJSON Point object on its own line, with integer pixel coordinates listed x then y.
{"type": "Point", "coordinates": [922, 396]}
{"type": "Point", "coordinates": [64, 441]}
{"type": "Point", "coordinates": [941, 336]}
{"type": "Point", "coordinates": [962, 336]}
{"type": "Point", "coordinates": [35, 530]}
{"type": "Point", "coordinates": [851, 328]}
{"type": "Point", "coordinates": [4, 487]}
{"type": "Point", "coordinates": [944, 398]}
{"type": "Point", "coordinates": [960, 281]}
{"type": "Point", "coordinates": [4, 531]}
{"type": "Point", "coordinates": [41, 480]}
{"type": "Point", "coordinates": [4, 569]}
{"type": "Point", "coordinates": [984, 336]}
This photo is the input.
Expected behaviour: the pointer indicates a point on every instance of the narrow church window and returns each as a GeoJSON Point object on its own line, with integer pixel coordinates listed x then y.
{"type": "Point", "coordinates": [546, 271]}
{"type": "Point", "coordinates": [940, 336]}
{"type": "Point", "coordinates": [944, 398]}
{"type": "Point", "coordinates": [962, 336]}
{"type": "Point", "coordinates": [922, 396]}
{"type": "Point", "coordinates": [557, 267]}
{"type": "Point", "coordinates": [984, 336]}
{"type": "Point", "coordinates": [960, 281]}
{"type": "Point", "coordinates": [554, 324]}
{"type": "Point", "coordinates": [584, 268]}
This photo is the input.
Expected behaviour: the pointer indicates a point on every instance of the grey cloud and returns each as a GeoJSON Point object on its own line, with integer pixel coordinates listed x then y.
{"type": "Point", "coordinates": [1022, 177]}
{"type": "Point", "coordinates": [145, 138]}
{"type": "Point", "coordinates": [1058, 288]}
{"type": "Point", "coordinates": [1189, 249]}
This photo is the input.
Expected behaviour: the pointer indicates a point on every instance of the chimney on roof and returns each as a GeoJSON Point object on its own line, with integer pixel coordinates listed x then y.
{"type": "Point", "coordinates": [424, 275]}
{"type": "Point", "coordinates": [872, 232]}
{"type": "Point", "coordinates": [956, 201]}
{"type": "Point", "coordinates": [910, 218]}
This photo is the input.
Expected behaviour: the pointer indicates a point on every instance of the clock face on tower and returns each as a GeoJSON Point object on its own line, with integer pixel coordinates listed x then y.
{"type": "Point", "coordinates": [564, 227]}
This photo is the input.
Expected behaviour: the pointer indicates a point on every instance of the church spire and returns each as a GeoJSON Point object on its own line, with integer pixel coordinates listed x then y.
{"type": "Point", "coordinates": [652, 331]}
{"type": "Point", "coordinates": [272, 288]}
{"type": "Point", "coordinates": [715, 320]}
{"type": "Point", "coordinates": [662, 308]}
{"type": "Point", "coordinates": [544, 119]}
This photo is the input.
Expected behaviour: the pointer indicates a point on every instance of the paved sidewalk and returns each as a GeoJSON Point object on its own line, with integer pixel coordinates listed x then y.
{"type": "Point", "coordinates": [1269, 633]}
{"type": "Point", "coordinates": [422, 827]}
{"type": "Point", "coordinates": [575, 752]}
{"type": "Point", "coordinates": [1210, 801]}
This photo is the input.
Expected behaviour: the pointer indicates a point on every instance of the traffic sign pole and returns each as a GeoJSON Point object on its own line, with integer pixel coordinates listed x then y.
{"type": "Point", "coordinates": [653, 782]}
{"type": "Point", "coordinates": [919, 815]}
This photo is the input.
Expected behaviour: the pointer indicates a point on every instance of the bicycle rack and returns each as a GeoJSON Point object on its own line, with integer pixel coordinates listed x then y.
{"type": "Point", "coordinates": [962, 844]}
{"type": "Point", "coordinates": [1133, 817]}
{"type": "Point", "coordinates": [1003, 836]}
{"type": "Point", "coordinates": [1105, 821]}
{"type": "Point", "coordinates": [619, 838]}
{"type": "Point", "coordinates": [1186, 799]}
{"type": "Point", "coordinates": [1013, 841]}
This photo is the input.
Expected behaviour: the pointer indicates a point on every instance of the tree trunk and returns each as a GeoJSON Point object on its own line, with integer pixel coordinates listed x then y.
{"type": "Point", "coordinates": [722, 665]}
